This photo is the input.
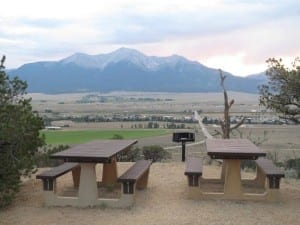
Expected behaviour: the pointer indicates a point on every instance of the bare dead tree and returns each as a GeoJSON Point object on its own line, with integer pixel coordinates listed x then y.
{"type": "Point", "coordinates": [2, 62]}
{"type": "Point", "coordinates": [225, 123]}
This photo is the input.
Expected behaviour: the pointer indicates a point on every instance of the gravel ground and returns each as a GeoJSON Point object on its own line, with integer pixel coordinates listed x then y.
{"type": "Point", "coordinates": [164, 202]}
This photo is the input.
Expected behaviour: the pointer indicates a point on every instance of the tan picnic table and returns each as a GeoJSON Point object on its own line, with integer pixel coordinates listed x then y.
{"type": "Point", "coordinates": [232, 151]}
{"type": "Point", "coordinates": [87, 156]}
{"type": "Point", "coordinates": [230, 185]}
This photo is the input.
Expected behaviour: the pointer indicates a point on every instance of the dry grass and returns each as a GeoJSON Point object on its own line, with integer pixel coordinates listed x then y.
{"type": "Point", "coordinates": [164, 202]}
{"type": "Point", "coordinates": [209, 102]}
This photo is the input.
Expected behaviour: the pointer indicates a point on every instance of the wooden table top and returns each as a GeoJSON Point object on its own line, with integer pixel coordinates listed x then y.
{"type": "Point", "coordinates": [233, 149]}
{"type": "Point", "coordinates": [100, 151]}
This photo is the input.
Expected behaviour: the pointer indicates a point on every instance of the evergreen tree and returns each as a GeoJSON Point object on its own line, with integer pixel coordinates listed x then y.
{"type": "Point", "coordinates": [19, 135]}
{"type": "Point", "coordinates": [282, 92]}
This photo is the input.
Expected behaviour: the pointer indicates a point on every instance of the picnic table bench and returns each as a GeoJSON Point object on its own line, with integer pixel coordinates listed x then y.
{"type": "Point", "coordinates": [135, 177]}
{"type": "Point", "coordinates": [267, 169]}
{"type": "Point", "coordinates": [193, 170]}
{"type": "Point", "coordinates": [49, 177]}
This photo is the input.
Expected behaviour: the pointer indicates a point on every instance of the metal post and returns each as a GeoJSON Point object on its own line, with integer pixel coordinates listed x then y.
{"type": "Point", "coordinates": [183, 151]}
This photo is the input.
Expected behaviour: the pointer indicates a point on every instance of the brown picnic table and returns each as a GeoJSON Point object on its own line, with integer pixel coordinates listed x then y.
{"type": "Point", "coordinates": [232, 152]}
{"type": "Point", "coordinates": [87, 156]}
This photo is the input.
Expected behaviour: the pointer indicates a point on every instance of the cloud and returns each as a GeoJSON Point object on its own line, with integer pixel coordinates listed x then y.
{"type": "Point", "coordinates": [250, 31]}
{"type": "Point", "coordinates": [45, 23]}
{"type": "Point", "coordinates": [130, 26]}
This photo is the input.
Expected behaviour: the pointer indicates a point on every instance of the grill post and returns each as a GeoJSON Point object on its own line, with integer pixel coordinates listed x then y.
{"type": "Point", "coordinates": [183, 137]}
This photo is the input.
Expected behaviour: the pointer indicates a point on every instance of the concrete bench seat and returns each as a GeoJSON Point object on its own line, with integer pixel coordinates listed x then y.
{"type": "Point", "coordinates": [49, 177]}
{"type": "Point", "coordinates": [267, 169]}
{"type": "Point", "coordinates": [193, 170]}
{"type": "Point", "coordinates": [135, 177]}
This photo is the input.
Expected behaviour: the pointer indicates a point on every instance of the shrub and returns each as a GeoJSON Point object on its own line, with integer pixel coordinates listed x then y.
{"type": "Point", "coordinates": [155, 153]}
{"type": "Point", "coordinates": [42, 158]}
{"type": "Point", "coordinates": [294, 164]}
{"type": "Point", "coordinates": [117, 137]}
{"type": "Point", "coordinates": [248, 164]}
{"type": "Point", "coordinates": [131, 155]}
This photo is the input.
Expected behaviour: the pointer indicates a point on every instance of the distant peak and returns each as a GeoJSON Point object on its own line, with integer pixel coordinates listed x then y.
{"type": "Point", "coordinates": [79, 53]}
{"type": "Point", "coordinates": [75, 56]}
{"type": "Point", "coordinates": [124, 50]}
{"type": "Point", "coordinates": [174, 56]}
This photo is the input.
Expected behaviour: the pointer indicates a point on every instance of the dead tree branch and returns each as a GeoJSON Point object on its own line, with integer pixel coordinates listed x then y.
{"type": "Point", "coordinates": [225, 123]}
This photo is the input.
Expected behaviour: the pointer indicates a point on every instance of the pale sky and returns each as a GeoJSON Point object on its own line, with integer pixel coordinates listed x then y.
{"type": "Point", "coordinates": [237, 36]}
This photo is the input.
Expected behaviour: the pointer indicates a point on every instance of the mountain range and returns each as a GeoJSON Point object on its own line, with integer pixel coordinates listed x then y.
{"type": "Point", "coordinates": [128, 70]}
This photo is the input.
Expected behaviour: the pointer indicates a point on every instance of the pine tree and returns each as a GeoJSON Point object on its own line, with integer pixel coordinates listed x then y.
{"type": "Point", "coordinates": [19, 135]}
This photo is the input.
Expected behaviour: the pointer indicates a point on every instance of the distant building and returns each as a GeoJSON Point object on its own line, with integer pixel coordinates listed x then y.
{"type": "Point", "coordinates": [53, 128]}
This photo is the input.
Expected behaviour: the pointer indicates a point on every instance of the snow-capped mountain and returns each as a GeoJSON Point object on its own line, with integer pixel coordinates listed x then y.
{"type": "Point", "coordinates": [123, 54]}
{"type": "Point", "coordinates": [127, 70]}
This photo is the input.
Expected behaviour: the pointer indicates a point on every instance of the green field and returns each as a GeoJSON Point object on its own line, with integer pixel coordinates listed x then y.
{"type": "Point", "coordinates": [82, 136]}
